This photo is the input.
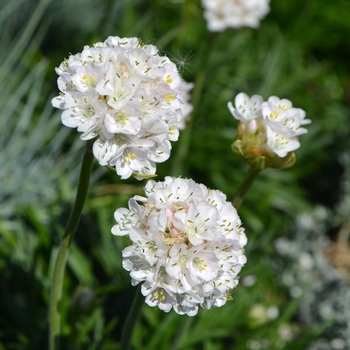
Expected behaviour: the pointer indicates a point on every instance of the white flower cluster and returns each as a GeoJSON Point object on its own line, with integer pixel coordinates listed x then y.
{"type": "Point", "coordinates": [222, 14]}
{"type": "Point", "coordinates": [187, 245]}
{"type": "Point", "coordinates": [274, 125]}
{"type": "Point", "coordinates": [128, 97]}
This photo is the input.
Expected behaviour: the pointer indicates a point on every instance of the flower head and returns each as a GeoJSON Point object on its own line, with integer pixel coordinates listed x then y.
{"type": "Point", "coordinates": [187, 245]}
{"type": "Point", "coordinates": [269, 129]}
{"type": "Point", "coordinates": [126, 96]}
{"type": "Point", "coordinates": [222, 14]}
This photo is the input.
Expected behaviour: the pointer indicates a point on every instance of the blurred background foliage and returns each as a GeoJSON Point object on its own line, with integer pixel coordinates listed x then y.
{"type": "Point", "coordinates": [296, 220]}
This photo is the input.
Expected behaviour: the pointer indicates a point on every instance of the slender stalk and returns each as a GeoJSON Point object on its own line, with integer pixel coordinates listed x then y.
{"type": "Point", "coordinates": [248, 182]}
{"type": "Point", "coordinates": [58, 273]}
{"type": "Point", "coordinates": [182, 329]}
{"type": "Point", "coordinates": [131, 320]}
{"type": "Point", "coordinates": [186, 134]}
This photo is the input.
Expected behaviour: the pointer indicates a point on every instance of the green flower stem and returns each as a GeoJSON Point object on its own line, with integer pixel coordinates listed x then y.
{"type": "Point", "coordinates": [58, 273]}
{"type": "Point", "coordinates": [186, 134]}
{"type": "Point", "coordinates": [182, 329]}
{"type": "Point", "coordinates": [247, 183]}
{"type": "Point", "coordinates": [131, 320]}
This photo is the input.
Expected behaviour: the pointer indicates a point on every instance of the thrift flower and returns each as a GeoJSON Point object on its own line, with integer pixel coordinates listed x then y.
{"type": "Point", "coordinates": [223, 14]}
{"type": "Point", "coordinates": [128, 97]}
{"type": "Point", "coordinates": [187, 245]}
{"type": "Point", "coordinates": [268, 129]}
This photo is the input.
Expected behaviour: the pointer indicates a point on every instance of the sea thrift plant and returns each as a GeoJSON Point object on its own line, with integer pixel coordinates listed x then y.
{"type": "Point", "coordinates": [269, 129]}
{"type": "Point", "coordinates": [187, 245]}
{"type": "Point", "coordinates": [126, 96]}
{"type": "Point", "coordinates": [223, 14]}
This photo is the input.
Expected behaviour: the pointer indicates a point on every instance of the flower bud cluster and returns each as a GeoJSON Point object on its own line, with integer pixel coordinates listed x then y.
{"type": "Point", "coordinates": [187, 245]}
{"type": "Point", "coordinates": [267, 129]}
{"type": "Point", "coordinates": [223, 14]}
{"type": "Point", "coordinates": [126, 96]}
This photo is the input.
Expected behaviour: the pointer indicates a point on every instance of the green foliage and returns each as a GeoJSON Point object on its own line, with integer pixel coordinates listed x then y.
{"type": "Point", "coordinates": [299, 53]}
